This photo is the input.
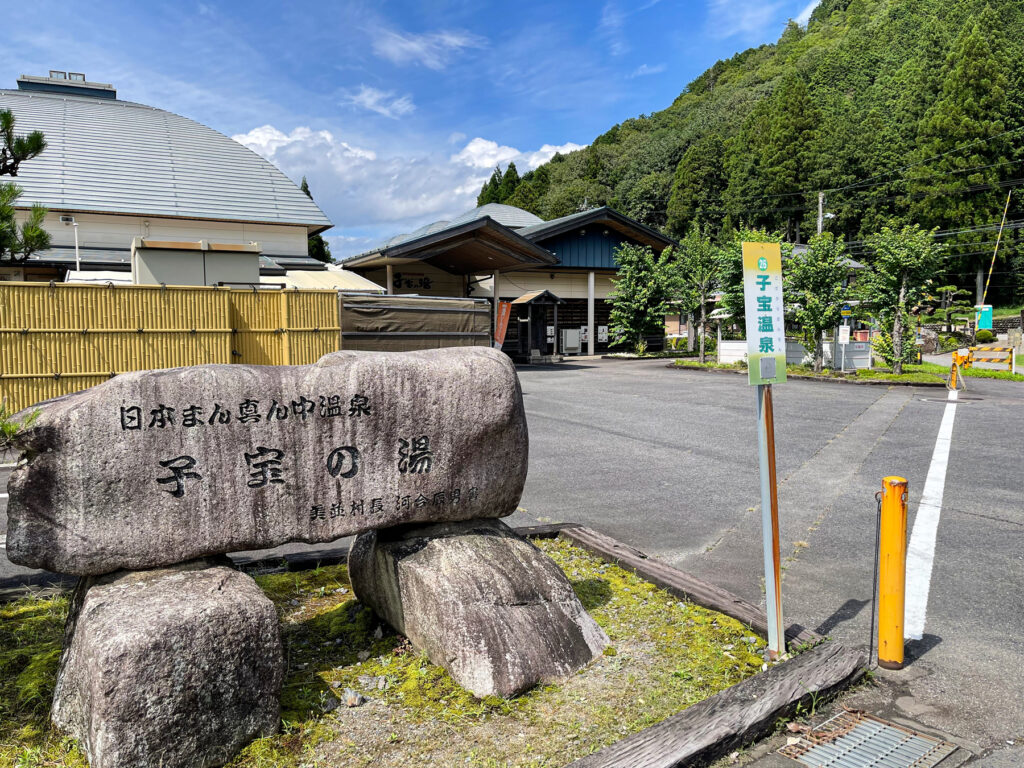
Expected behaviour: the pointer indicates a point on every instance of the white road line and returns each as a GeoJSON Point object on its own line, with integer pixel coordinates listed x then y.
{"type": "Point", "coordinates": [9, 465]}
{"type": "Point", "coordinates": [3, 495]}
{"type": "Point", "coordinates": [921, 551]}
{"type": "Point", "coordinates": [3, 542]}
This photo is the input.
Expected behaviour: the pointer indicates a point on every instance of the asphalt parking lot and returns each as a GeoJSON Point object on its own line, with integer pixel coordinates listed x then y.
{"type": "Point", "coordinates": [666, 461]}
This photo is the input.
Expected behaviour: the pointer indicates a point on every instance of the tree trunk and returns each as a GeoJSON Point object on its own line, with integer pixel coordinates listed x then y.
{"type": "Point", "coordinates": [897, 331]}
{"type": "Point", "coordinates": [689, 332]}
{"type": "Point", "coordinates": [979, 284]}
{"type": "Point", "coordinates": [703, 328]}
{"type": "Point", "coordinates": [819, 352]}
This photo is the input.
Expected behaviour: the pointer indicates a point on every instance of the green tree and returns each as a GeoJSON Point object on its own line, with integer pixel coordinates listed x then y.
{"type": "Point", "coordinates": [730, 259]}
{"type": "Point", "coordinates": [965, 129]}
{"type": "Point", "coordinates": [698, 187]}
{"type": "Point", "coordinates": [787, 148]}
{"type": "Point", "coordinates": [896, 281]}
{"type": "Point", "coordinates": [509, 182]}
{"type": "Point", "coordinates": [815, 283]}
{"type": "Point", "coordinates": [950, 304]}
{"type": "Point", "coordinates": [17, 243]}
{"type": "Point", "coordinates": [316, 247]}
{"type": "Point", "coordinates": [641, 295]}
{"type": "Point", "coordinates": [698, 272]}
{"type": "Point", "coordinates": [491, 190]}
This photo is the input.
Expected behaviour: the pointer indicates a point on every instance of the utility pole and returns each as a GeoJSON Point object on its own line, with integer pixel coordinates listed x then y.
{"type": "Point", "coordinates": [821, 212]}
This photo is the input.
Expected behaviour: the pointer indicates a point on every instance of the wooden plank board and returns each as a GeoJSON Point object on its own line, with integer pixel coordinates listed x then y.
{"type": "Point", "coordinates": [736, 716]}
{"type": "Point", "coordinates": [681, 584]}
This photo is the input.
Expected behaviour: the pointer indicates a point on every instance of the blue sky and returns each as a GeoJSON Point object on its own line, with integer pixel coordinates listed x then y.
{"type": "Point", "coordinates": [395, 111]}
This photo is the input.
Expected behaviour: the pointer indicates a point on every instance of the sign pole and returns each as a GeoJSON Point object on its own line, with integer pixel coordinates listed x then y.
{"type": "Point", "coordinates": [770, 520]}
{"type": "Point", "coordinates": [766, 365]}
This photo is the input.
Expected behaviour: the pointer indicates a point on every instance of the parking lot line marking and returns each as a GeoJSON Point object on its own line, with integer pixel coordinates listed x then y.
{"type": "Point", "coordinates": [921, 551]}
{"type": "Point", "coordinates": [3, 495]}
{"type": "Point", "coordinates": [3, 541]}
{"type": "Point", "coordinates": [9, 465]}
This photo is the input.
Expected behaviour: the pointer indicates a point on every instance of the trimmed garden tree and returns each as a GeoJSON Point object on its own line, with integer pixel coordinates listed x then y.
{"type": "Point", "coordinates": [895, 282]}
{"type": "Point", "coordinates": [17, 243]}
{"type": "Point", "coordinates": [698, 272]}
{"type": "Point", "coordinates": [316, 247]}
{"type": "Point", "coordinates": [816, 285]}
{"type": "Point", "coordinates": [643, 289]}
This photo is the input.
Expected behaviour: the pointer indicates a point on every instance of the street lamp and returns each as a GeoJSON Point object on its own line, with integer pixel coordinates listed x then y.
{"type": "Point", "coordinates": [70, 221]}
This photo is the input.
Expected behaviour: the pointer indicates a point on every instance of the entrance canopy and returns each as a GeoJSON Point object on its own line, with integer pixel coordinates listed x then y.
{"type": "Point", "coordinates": [476, 247]}
{"type": "Point", "coordinates": [538, 297]}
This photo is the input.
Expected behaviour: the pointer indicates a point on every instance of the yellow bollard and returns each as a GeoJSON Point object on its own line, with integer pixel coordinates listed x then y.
{"type": "Point", "coordinates": [892, 572]}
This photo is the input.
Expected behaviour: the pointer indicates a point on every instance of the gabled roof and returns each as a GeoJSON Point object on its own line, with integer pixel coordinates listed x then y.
{"type": "Point", "coordinates": [539, 297]}
{"type": "Point", "coordinates": [476, 246]}
{"type": "Point", "coordinates": [105, 155]}
{"type": "Point", "coordinates": [603, 215]}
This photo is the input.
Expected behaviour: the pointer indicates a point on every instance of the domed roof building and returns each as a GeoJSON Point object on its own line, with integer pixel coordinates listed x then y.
{"type": "Point", "coordinates": [116, 171]}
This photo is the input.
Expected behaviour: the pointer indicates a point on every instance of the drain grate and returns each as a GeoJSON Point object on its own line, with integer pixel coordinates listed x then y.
{"type": "Point", "coordinates": [858, 740]}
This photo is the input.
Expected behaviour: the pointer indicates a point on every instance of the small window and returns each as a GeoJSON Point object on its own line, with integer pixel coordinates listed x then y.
{"type": "Point", "coordinates": [56, 74]}
{"type": "Point", "coordinates": [78, 77]}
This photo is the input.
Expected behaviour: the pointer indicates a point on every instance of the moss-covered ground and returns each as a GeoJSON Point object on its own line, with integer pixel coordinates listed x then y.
{"type": "Point", "coordinates": [665, 655]}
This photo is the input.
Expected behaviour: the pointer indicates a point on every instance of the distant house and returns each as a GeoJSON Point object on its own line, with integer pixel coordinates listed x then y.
{"type": "Point", "coordinates": [499, 250]}
{"type": "Point", "coordinates": [124, 175]}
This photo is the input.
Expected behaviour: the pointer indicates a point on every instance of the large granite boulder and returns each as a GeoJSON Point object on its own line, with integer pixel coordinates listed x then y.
{"type": "Point", "coordinates": [481, 601]}
{"type": "Point", "coordinates": [167, 668]}
{"type": "Point", "coordinates": [159, 467]}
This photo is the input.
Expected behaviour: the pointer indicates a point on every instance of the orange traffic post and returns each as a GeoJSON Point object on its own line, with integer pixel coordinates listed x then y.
{"type": "Point", "coordinates": [892, 572]}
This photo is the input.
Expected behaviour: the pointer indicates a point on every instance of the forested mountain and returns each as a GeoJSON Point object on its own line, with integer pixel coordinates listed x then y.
{"type": "Point", "coordinates": [899, 110]}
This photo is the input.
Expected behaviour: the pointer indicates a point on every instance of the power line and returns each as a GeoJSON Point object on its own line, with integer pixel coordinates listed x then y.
{"type": "Point", "coordinates": [928, 160]}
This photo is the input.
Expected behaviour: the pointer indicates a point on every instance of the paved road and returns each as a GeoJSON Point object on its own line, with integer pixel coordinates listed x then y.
{"type": "Point", "coordinates": [666, 461]}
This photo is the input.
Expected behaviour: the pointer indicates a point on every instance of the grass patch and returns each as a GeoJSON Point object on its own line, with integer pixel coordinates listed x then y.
{"type": "Point", "coordinates": [31, 633]}
{"type": "Point", "coordinates": [693, 363]}
{"type": "Point", "coordinates": [665, 655]}
{"type": "Point", "coordinates": [1012, 311]}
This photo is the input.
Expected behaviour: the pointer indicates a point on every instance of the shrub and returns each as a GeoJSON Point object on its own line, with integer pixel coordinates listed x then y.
{"type": "Point", "coordinates": [984, 336]}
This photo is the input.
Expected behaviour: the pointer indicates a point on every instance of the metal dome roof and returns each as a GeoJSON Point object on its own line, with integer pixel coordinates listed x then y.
{"type": "Point", "coordinates": [109, 156]}
{"type": "Point", "coordinates": [507, 215]}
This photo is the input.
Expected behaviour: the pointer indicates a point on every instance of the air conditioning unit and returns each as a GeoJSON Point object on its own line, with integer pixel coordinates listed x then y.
{"type": "Point", "coordinates": [571, 341]}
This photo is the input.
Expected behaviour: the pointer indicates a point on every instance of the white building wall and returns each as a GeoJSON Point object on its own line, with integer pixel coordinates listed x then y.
{"type": "Point", "coordinates": [565, 285]}
{"type": "Point", "coordinates": [97, 230]}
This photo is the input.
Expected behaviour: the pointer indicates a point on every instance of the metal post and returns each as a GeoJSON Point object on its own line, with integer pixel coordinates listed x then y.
{"type": "Point", "coordinates": [556, 331]}
{"type": "Point", "coordinates": [78, 262]}
{"type": "Point", "coordinates": [892, 572]}
{"type": "Point", "coordinates": [821, 212]}
{"type": "Point", "coordinates": [591, 331]}
{"type": "Point", "coordinates": [770, 520]}
{"type": "Point", "coordinates": [495, 291]}
{"type": "Point", "coordinates": [390, 279]}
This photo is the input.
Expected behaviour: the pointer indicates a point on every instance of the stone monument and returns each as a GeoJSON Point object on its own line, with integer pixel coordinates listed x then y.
{"type": "Point", "coordinates": [169, 470]}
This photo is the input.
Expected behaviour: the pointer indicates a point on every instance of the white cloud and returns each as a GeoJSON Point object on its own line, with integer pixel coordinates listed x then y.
{"type": "Point", "coordinates": [370, 195]}
{"type": "Point", "coordinates": [610, 28]}
{"type": "Point", "coordinates": [382, 102]}
{"type": "Point", "coordinates": [484, 153]}
{"type": "Point", "coordinates": [747, 18]}
{"type": "Point", "coordinates": [805, 14]}
{"type": "Point", "coordinates": [646, 69]}
{"type": "Point", "coordinates": [431, 49]}
{"type": "Point", "coordinates": [456, 137]}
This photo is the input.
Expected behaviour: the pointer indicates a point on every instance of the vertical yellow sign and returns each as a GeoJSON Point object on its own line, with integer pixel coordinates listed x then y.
{"type": "Point", "coordinates": [762, 300]}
